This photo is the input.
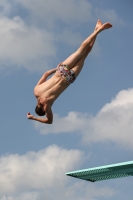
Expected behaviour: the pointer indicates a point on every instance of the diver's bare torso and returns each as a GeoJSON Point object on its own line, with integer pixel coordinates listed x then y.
{"type": "Point", "coordinates": [50, 89]}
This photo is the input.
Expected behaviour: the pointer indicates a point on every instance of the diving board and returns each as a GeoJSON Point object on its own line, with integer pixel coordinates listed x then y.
{"type": "Point", "coordinates": [106, 172]}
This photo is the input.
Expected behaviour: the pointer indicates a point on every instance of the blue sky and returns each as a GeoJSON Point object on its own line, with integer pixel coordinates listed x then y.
{"type": "Point", "coordinates": [92, 118]}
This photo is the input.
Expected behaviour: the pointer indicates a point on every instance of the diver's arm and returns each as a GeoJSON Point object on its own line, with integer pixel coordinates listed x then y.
{"type": "Point", "coordinates": [46, 120]}
{"type": "Point", "coordinates": [49, 115]}
{"type": "Point", "coordinates": [45, 75]}
{"type": "Point", "coordinates": [42, 120]}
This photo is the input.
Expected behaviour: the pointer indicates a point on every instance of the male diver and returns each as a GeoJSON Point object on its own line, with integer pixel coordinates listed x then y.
{"type": "Point", "coordinates": [47, 91]}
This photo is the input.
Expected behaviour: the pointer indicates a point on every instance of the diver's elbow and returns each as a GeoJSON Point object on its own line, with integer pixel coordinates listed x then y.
{"type": "Point", "coordinates": [50, 121]}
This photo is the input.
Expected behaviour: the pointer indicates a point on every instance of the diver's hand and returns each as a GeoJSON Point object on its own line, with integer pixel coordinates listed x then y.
{"type": "Point", "coordinates": [58, 65]}
{"type": "Point", "coordinates": [29, 116]}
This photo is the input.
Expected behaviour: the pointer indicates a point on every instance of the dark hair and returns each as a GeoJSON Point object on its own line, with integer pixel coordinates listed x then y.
{"type": "Point", "coordinates": [39, 111]}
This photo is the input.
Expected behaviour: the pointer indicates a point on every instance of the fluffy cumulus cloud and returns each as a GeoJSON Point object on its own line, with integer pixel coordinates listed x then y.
{"type": "Point", "coordinates": [73, 122]}
{"type": "Point", "coordinates": [41, 175]}
{"type": "Point", "coordinates": [23, 45]}
{"type": "Point", "coordinates": [32, 31]}
{"type": "Point", "coordinates": [114, 122]}
{"type": "Point", "coordinates": [36, 170]}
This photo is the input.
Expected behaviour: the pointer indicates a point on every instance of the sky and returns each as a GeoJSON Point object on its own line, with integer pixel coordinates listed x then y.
{"type": "Point", "coordinates": [93, 118]}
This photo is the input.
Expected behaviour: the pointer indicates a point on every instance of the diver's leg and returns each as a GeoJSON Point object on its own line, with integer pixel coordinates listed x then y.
{"type": "Point", "coordinates": [85, 46]}
{"type": "Point", "coordinates": [73, 58]}
{"type": "Point", "coordinates": [79, 65]}
{"type": "Point", "coordinates": [99, 23]}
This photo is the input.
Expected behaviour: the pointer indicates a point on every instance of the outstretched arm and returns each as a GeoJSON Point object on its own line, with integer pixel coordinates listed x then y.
{"type": "Point", "coordinates": [45, 75]}
{"type": "Point", "coordinates": [47, 120]}
{"type": "Point", "coordinates": [42, 120]}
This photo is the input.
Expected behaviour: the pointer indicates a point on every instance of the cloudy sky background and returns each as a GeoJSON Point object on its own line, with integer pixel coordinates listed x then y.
{"type": "Point", "coordinates": [93, 118]}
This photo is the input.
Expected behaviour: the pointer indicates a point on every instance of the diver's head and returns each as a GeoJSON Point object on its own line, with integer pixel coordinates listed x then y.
{"type": "Point", "coordinates": [39, 109]}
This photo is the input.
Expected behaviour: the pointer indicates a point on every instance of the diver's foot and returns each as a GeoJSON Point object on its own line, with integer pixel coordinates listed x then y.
{"type": "Point", "coordinates": [104, 26]}
{"type": "Point", "coordinates": [98, 24]}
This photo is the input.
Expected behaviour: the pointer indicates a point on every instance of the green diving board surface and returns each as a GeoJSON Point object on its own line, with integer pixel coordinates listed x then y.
{"type": "Point", "coordinates": [106, 172]}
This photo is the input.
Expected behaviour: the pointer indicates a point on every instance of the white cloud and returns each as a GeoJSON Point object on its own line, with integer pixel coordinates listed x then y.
{"type": "Point", "coordinates": [30, 47]}
{"type": "Point", "coordinates": [73, 122]}
{"type": "Point", "coordinates": [36, 170]}
{"type": "Point", "coordinates": [114, 122]}
{"type": "Point", "coordinates": [41, 175]}
{"type": "Point", "coordinates": [123, 99]}
{"type": "Point", "coordinates": [23, 45]}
